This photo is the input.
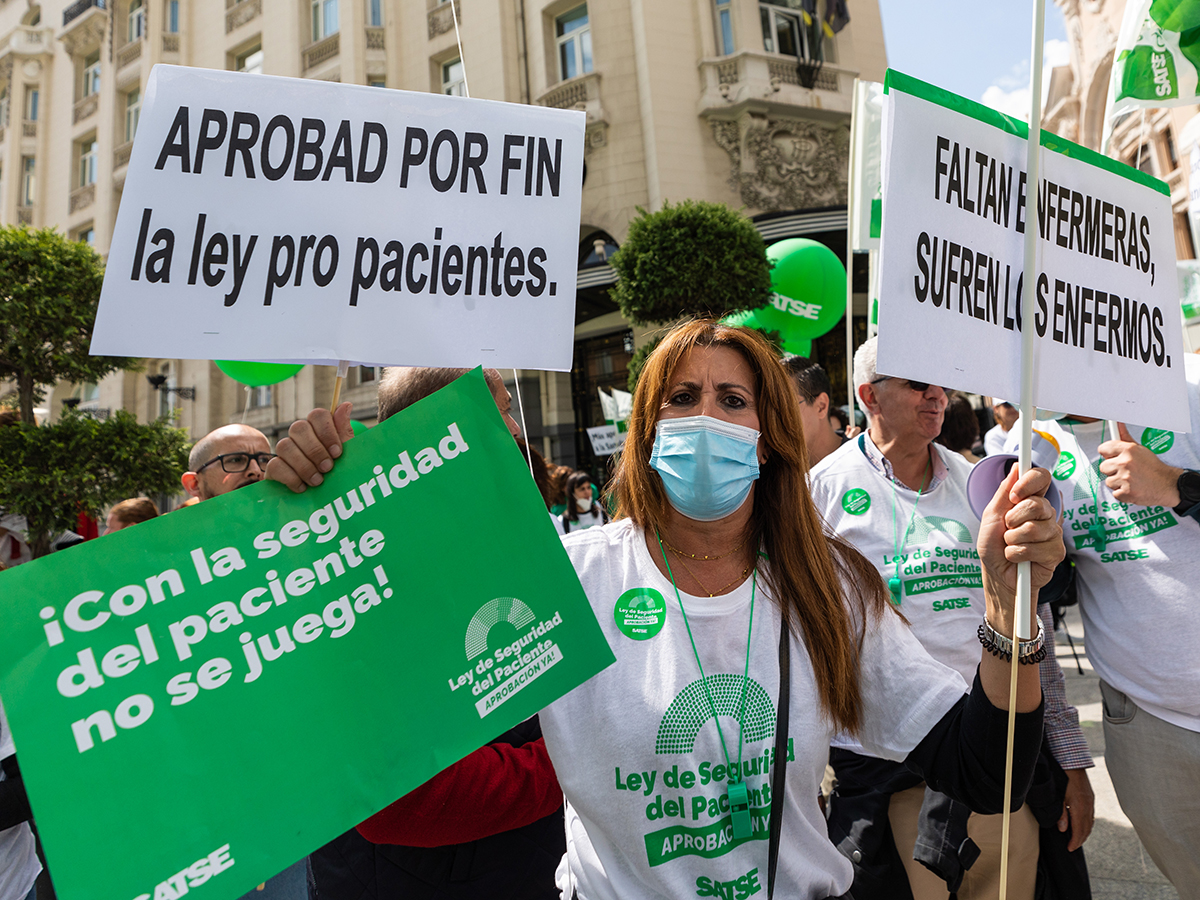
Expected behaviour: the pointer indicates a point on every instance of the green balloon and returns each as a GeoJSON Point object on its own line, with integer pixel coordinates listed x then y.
{"type": "Point", "coordinates": [358, 427]}
{"type": "Point", "coordinates": [810, 290]}
{"type": "Point", "coordinates": [798, 347]}
{"type": "Point", "coordinates": [257, 374]}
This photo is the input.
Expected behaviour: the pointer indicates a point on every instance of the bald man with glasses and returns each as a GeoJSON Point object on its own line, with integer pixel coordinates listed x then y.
{"type": "Point", "coordinates": [226, 459]}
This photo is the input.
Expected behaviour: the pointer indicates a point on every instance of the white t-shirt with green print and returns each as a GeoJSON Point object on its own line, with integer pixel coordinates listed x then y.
{"type": "Point", "coordinates": [637, 750]}
{"type": "Point", "coordinates": [1137, 592]}
{"type": "Point", "coordinates": [928, 542]}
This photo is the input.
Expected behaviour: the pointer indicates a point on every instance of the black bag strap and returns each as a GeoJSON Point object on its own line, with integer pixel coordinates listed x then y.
{"type": "Point", "coordinates": [781, 737]}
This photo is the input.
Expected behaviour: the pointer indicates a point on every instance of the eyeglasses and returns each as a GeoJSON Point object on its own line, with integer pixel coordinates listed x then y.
{"type": "Point", "coordinates": [233, 463]}
{"type": "Point", "coordinates": [919, 386]}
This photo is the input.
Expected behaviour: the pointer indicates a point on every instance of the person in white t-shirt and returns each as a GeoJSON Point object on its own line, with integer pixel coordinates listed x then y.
{"type": "Point", "coordinates": [583, 510]}
{"type": "Point", "coordinates": [1129, 506]}
{"type": "Point", "coordinates": [19, 865]}
{"type": "Point", "coordinates": [695, 584]}
{"type": "Point", "coordinates": [1006, 416]}
{"type": "Point", "coordinates": [900, 498]}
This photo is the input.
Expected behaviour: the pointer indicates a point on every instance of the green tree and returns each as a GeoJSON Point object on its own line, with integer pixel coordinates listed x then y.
{"type": "Point", "coordinates": [51, 474]}
{"type": "Point", "coordinates": [691, 259]}
{"type": "Point", "coordinates": [49, 291]}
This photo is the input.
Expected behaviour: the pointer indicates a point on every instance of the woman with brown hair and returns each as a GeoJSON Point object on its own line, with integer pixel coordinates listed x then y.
{"type": "Point", "coordinates": [717, 558]}
{"type": "Point", "coordinates": [745, 637]}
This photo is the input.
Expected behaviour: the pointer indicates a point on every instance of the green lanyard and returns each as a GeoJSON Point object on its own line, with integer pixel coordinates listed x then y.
{"type": "Point", "coordinates": [738, 793]}
{"type": "Point", "coordinates": [894, 584]}
{"type": "Point", "coordinates": [1096, 529]}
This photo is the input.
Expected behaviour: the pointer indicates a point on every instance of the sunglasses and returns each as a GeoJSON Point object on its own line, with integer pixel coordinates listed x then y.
{"type": "Point", "coordinates": [919, 386]}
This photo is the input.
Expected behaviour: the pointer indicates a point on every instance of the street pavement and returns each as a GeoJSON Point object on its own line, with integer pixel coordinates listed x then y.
{"type": "Point", "coordinates": [1119, 866]}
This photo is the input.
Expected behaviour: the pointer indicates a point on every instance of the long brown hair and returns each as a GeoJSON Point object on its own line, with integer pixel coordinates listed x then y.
{"type": "Point", "coordinates": [808, 567]}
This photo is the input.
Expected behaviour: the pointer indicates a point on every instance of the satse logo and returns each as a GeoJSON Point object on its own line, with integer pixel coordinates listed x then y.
{"type": "Point", "coordinates": [191, 876]}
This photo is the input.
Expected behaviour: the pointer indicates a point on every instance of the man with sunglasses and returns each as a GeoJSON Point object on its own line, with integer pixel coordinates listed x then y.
{"type": "Point", "coordinates": [226, 459]}
{"type": "Point", "coordinates": [901, 500]}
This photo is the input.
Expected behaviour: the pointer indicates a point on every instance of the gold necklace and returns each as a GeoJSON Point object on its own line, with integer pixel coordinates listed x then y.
{"type": "Point", "coordinates": [704, 556]}
{"type": "Point", "coordinates": [741, 577]}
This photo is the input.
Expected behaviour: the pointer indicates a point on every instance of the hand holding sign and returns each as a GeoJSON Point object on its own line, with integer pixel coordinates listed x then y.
{"type": "Point", "coordinates": [1135, 474]}
{"type": "Point", "coordinates": [1018, 526]}
{"type": "Point", "coordinates": [310, 448]}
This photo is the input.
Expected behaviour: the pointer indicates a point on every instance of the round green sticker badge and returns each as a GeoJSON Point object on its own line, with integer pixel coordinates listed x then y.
{"type": "Point", "coordinates": [1158, 440]}
{"type": "Point", "coordinates": [1066, 465]}
{"type": "Point", "coordinates": [856, 501]}
{"type": "Point", "coordinates": [640, 613]}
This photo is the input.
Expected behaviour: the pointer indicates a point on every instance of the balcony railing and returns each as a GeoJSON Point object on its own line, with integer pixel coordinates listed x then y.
{"type": "Point", "coordinates": [24, 215]}
{"type": "Point", "coordinates": [170, 43]}
{"type": "Point", "coordinates": [241, 13]}
{"type": "Point", "coordinates": [28, 40]}
{"type": "Point", "coordinates": [78, 8]}
{"type": "Point", "coordinates": [129, 53]}
{"type": "Point", "coordinates": [82, 197]}
{"type": "Point", "coordinates": [29, 128]}
{"type": "Point", "coordinates": [86, 107]}
{"type": "Point", "coordinates": [121, 154]}
{"type": "Point", "coordinates": [774, 78]}
{"type": "Point", "coordinates": [375, 40]}
{"type": "Point", "coordinates": [322, 50]}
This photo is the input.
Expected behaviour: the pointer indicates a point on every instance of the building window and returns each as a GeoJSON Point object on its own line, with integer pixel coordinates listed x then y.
{"type": "Point", "coordinates": [258, 397]}
{"type": "Point", "coordinates": [173, 16]}
{"type": "Point", "coordinates": [366, 374]}
{"type": "Point", "coordinates": [376, 82]}
{"type": "Point", "coordinates": [574, 38]}
{"type": "Point", "coordinates": [87, 161]}
{"type": "Point", "coordinates": [28, 180]}
{"type": "Point", "coordinates": [31, 104]}
{"type": "Point", "coordinates": [324, 18]}
{"type": "Point", "coordinates": [86, 236]}
{"type": "Point", "coordinates": [91, 74]}
{"type": "Point", "coordinates": [133, 111]}
{"type": "Point", "coordinates": [165, 406]}
{"type": "Point", "coordinates": [137, 20]}
{"type": "Point", "coordinates": [724, 27]}
{"type": "Point", "coordinates": [251, 61]}
{"type": "Point", "coordinates": [375, 13]}
{"type": "Point", "coordinates": [4, 107]}
{"type": "Point", "coordinates": [453, 79]}
{"type": "Point", "coordinates": [792, 32]}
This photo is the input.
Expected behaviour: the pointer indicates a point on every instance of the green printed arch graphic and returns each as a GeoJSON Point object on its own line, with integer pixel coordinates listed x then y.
{"type": "Point", "coordinates": [690, 710]}
{"type": "Point", "coordinates": [502, 609]}
{"type": "Point", "coordinates": [924, 526]}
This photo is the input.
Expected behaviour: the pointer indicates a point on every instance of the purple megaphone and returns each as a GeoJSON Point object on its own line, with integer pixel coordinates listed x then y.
{"type": "Point", "coordinates": [990, 471]}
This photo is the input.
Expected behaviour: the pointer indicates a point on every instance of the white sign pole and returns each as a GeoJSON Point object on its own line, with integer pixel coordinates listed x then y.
{"type": "Point", "coordinates": [1021, 628]}
{"type": "Point", "coordinates": [851, 199]}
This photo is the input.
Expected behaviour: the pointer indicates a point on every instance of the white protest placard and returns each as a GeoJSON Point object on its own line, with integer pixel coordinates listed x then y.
{"type": "Point", "coordinates": [1108, 339]}
{"type": "Point", "coordinates": [606, 439]}
{"type": "Point", "coordinates": [270, 218]}
{"type": "Point", "coordinates": [866, 165]}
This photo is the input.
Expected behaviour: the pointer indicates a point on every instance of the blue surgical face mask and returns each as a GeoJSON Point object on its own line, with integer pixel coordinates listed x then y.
{"type": "Point", "coordinates": [707, 465]}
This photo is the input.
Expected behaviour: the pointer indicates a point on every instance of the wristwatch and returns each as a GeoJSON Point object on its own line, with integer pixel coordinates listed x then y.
{"type": "Point", "coordinates": [1188, 486]}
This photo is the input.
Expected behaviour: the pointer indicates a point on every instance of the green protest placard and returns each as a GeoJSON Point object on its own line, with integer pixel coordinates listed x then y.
{"type": "Point", "coordinates": [203, 699]}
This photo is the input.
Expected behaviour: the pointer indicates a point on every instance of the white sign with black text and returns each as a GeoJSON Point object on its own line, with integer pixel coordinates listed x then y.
{"type": "Point", "coordinates": [1108, 339]}
{"type": "Point", "coordinates": [269, 218]}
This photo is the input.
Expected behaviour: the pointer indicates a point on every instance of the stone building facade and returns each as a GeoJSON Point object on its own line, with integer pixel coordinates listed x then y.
{"type": "Point", "coordinates": [1076, 105]}
{"type": "Point", "coordinates": [745, 102]}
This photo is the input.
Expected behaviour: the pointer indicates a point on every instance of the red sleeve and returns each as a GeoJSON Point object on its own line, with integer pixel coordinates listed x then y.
{"type": "Point", "coordinates": [497, 788]}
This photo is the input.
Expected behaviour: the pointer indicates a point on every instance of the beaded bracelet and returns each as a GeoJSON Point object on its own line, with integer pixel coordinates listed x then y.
{"type": "Point", "coordinates": [1030, 653]}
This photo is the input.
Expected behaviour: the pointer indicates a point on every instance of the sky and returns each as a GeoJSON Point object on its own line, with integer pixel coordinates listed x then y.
{"type": "Point", "coordinates": [974, 48]}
